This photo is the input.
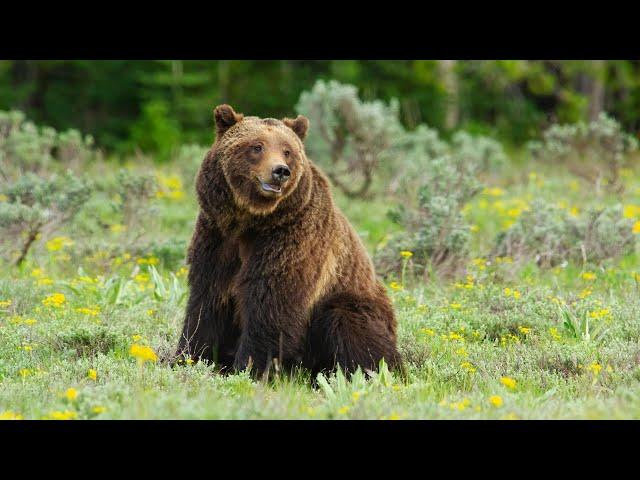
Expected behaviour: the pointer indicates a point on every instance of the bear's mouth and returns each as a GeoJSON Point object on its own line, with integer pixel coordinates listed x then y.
{"type": "Point", "coordinates": [268, 187]}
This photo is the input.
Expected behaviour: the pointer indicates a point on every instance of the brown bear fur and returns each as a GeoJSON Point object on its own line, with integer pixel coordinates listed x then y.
{"type": "Point", "coordinates": [278, 275]}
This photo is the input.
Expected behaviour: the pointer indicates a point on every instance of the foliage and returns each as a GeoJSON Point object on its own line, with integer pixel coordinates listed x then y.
{"type": "Point", "coordinates": [434, 229]}
{"type": "Point", "coordinates": [349, 137]}
{"type": "Point", "coordinates": [551, 235]}
{"type": "Point", "coordinates": [24, 147]}
{"type": "Point", "coordinates": [596, 150]}
{"type": "Point", "coordinates": [34, 207]}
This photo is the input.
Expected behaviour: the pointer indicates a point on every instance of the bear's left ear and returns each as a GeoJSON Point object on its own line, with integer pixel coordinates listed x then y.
{"type": "Point", "coordinates": [300, 125]}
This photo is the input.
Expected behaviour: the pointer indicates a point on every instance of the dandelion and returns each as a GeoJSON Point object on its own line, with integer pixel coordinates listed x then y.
{"type": "Point", "coordinates": [493, 192]}
{"type": "Point", "coordinates": [595, 367]}
{"type": "Point", "coordinates": [343, 410]}
{"type": "Point", "coordinates": [495, 400]}
{"type": "Point", "coordinates": [151, 260]}
{"type": "Point", "coordinates": [468, 366]}
{"type": "Point", "coordinates": [58, 243]}
{"type": "Point", "coordinates": [71, 394]}
{"type": "Point", "coordinates": [631, 211]}
{"type": "Point", "coordinates": [9, 415]}
{"type": "Point", "coordinates": [143, 353]}
{"type": "Point", "coordinates": [150, 311]}
{"type": "Point", "coordinates": [574, 212]}
{"type": "Point", "coordinates": [636, 227]}
{"type": "Point", "coordinates": [92, 374]}
{"type": "Point", "coordinates": [54, 300]}
{"type": "Point", "coordinates": [406, 254]}
{"type": "Point", "coordinates": [508, 382]}
{"type": "Point", "coordinates": [516, 294]}
{"type": "Point", "coordinates": [585, 293]}
{"type": "Point", "coordinates": [588, 276]}
{"type": "Point", "coordinates": [395, 286]}
{"type": "Point", "coordinates": [553, 331]}
{"type": "Point", "coordinates": [66, 415]}
{"type": "Point", "coordinates": [507, 292]}
{"type": "Point", "coordinates": [98, 410]}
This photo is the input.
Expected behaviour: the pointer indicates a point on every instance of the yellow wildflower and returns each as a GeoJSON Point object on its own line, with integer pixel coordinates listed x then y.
{"type": "Point", "coordinates": [66, 415]}
{"type": "Point", "coordinates": [343, 410]}
{"type": "Point", "coordinates": [588, 276]}
{"type": "Point", "coordinates": [98, 410]}
{"type": "Point", "coordinates": [355, 396]}
{"type": "Point", "coordinates": [524, 330]}
{"type": "Point", "coordinates": [585, 293]}
{"type": "Point", "coordinates": [395, 286]}
{"type": "Point", "coordinates": [142, 353]}
{"type": "Point", "coordinates": [595, 367]}
{"type": "Point", "coordinates": [427, 331]}
{"type": "Point", "coordinates": [89, 311]}
{"type": "Point", "coordinates": [493, 192]}
{"type": "Point", "coordinates": [5, 303]}
{"type": "Point", "coordinates": [136, 338]}
{"type": "Point", "coordinates": [58, 243]}
{"type": "Point", "coordinates": [406, 254]}
{"type": "Point", "coordinates": [508, 382]}
{"type": "Point", "coordinates": [636, 227]}
{"type": "Point", "coordinates": [92, 374]}
{"type": "Point", "coordinates": [148, 261]}
{"type": "Point", "coordinates": [54, 300]}
{"type": "Point", "coordinates": [25, 372]}
{"type": "Point", "coordinates": [468, 366]}
{"type": "Point", "coordinates": [554, 333]}
{"type": "Point", "coordinates": [495, 400]}
{"type": "Point", "coordinates": [9, 415]}
{"type": "Point", "coordinates": [631, 211]}
{"type": "Point", "coordinates": [71, 394]}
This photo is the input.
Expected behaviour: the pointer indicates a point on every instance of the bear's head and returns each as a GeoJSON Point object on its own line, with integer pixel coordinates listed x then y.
{"type": "Point", "coordinates": [262, 159]}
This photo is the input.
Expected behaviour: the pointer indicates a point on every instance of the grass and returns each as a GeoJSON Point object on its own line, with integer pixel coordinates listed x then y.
{"type": "Point", "coordinates": [505, 341]}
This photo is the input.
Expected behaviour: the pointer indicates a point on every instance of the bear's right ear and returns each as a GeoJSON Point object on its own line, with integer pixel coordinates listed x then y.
{"type": "Point", "coordinates": [225, 118]}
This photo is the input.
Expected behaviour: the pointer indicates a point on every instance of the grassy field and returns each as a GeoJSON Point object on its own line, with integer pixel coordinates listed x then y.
{"type": "Point", "coordinates": [506, 340]}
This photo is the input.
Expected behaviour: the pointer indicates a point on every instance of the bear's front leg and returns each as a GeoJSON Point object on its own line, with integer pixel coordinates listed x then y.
{"type": "Point", "coordinates": [275, 318]}
{"type": "Point", "coordinates": [208, 332]}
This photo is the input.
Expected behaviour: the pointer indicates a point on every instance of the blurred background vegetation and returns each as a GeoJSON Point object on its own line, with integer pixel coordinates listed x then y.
{"type": "Point", "coordinates": [151, 106]}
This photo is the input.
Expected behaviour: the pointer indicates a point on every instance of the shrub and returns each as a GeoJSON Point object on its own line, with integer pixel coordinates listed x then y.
{"type": "Point", "coordinates": [595, 151]}
{"type": "Point", "coordinates": [33, 207]}
{"type": "Point", "coordinates": [551, 235]}
{"type": "Point", "coordinates": [24, 147]}
{"type": "Point", "coordinates": [349, 137]}
{"type": "Point", "coordinates": [435, 231]}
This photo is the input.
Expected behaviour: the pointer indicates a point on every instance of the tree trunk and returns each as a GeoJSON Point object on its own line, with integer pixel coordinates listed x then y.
{"type": "Point", "coordinates": [450, 80]}
{"type": "Point", "coordinates": [596, 89]}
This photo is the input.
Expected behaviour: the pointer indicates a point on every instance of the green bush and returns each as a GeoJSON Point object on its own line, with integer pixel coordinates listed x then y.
{"type": "Point", "coordinates": [24, 147]}
{"type": "Point", "coordinates": [348, 137]}
{"type": "Point", "coordinates": [550, 235]}
{"type": "Point", "coordinates": [595, 151]}
{"type": "Point", "coordinates": [33, 207]}
{"type": "Point", "coordinates": [434, 229]}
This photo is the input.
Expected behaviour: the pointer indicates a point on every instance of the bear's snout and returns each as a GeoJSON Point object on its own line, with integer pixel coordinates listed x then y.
{"type": "Point", "coordinates": [280, 173]}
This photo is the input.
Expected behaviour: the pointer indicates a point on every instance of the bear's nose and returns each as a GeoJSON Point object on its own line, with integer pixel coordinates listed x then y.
{"type": "Point", "coordinates": [280, 173]}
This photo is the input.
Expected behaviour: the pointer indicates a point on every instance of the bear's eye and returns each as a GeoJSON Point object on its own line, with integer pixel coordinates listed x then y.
{"type": "Point", "coordinates": [257, 148]}
{"type": "Point", "coordinates": [287, 153]}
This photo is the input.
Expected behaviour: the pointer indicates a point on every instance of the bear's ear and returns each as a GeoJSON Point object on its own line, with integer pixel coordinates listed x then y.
{"type": "Point", "coordinates": [225, 118]}
{"type": "Point", "coordinates": [300, 125]}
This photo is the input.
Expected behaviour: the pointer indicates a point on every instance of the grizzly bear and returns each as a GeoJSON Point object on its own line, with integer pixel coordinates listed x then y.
{"type": "Point", "coordinates": [277, 274]}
